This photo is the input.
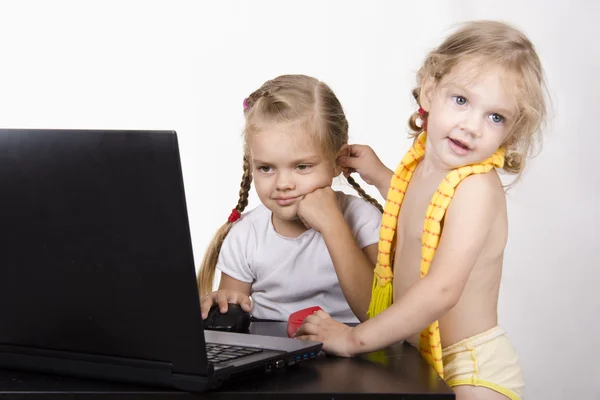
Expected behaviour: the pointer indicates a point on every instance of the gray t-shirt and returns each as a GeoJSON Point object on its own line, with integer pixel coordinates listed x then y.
{"type": "Point", "coordinates": [290, 274]}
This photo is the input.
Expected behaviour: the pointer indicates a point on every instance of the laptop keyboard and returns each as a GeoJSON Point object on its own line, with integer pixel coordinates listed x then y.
{"type": "Point", "coordinates": [218, 353]}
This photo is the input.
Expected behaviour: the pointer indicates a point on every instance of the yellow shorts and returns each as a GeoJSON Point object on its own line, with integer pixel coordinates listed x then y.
{"type": "Point", "coordinates": [488, 360]}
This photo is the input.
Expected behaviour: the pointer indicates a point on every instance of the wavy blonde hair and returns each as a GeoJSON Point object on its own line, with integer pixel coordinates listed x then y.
{"type": "Point", "coordinates": [287, 98]}
{"type": "Point", "coordinates": [493, 43]}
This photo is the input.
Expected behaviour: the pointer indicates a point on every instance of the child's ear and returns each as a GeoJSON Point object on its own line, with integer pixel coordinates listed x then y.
{"type": "Point", "coordinates": [344, 151]}
{"type": "Point", "coordinates": [428, 87]}
{"type": "Point", "coordinates": [337, 169]}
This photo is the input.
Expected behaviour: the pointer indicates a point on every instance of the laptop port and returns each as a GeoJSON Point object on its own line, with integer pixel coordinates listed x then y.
{"type": "Point", "coordinates": [279, 364]}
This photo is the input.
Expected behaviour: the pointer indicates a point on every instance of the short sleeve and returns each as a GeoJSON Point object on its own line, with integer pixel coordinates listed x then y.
{"type": "Point", "coordinates": [364, 219]}
{"type": "Point", "coordinates": [237, 252]}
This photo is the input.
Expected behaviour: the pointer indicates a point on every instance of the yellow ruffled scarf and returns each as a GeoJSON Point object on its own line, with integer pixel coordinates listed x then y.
{"type": "Point", "coordinates": [382, 294]}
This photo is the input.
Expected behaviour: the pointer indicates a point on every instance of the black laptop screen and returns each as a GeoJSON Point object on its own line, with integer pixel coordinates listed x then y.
{"type": "Point", "coordinates": [95, 248]}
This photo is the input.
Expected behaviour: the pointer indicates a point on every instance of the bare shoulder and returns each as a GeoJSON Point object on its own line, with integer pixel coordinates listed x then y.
{"type": "Point", "coordinates": [478, 201]}
{"type": "Point", "coordinates": [483, 189]}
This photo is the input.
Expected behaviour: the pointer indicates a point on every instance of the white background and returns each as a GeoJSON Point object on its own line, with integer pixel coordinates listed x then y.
{"type": "Point", "coordinates": [187, 66]}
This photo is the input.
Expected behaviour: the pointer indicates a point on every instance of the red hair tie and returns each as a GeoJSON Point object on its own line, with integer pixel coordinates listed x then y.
{"type": "Point", "coordinates": [423, 115]}
{"type": "Point", "coordinates": [234, 216]}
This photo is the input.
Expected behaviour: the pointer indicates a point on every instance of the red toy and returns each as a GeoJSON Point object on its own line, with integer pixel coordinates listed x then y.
{"type": "Point", "coordinates": [296, 319]}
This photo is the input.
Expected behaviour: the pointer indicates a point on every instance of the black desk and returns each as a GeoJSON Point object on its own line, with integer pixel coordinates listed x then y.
{"type": "Point", "coordinates": [399, 372]}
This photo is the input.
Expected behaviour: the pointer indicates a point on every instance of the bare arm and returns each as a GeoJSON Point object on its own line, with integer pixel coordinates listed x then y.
{"type": "Point", "coordinates": [229, 283]}
{"type": "Point", "coordinates": [362, 159]}
{"type": "Point", "coordinates": [383, 182]}
{"type": "Point", "coordinates": [467, 225]}
{"type": "Point", "coordinates": [353, 266]}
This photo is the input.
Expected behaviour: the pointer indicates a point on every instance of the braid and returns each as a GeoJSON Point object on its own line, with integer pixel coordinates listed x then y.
{"type": "Point", "coordinates": [250, 101]}
{"type": "Point", "coordinates": [364, 194]}
{"type": "Point", "coordinates": [244, 186]}
{"type": "Point", "coordinates": [264, 91]}
{"type": "Point", "coordinates": [209, 263]}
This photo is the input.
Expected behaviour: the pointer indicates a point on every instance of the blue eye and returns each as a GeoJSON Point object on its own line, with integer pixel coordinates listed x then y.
{"type": "Point", "coordinates": [461, 101]}
{"type": "Point", "coordinates": [497, 118]}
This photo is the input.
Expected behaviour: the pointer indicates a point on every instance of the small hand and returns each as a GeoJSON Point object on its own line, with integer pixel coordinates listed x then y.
{"type": "Point", "coordinates": [306, 224]}
{"type": "Point", "coordinates": [362, 159]}
{"type": "Point", "coordinates": [223, 297]}
{"type": "Point", "coordinates": [336, 337]}
{"type": "Point", "coordinates": [319, 208]}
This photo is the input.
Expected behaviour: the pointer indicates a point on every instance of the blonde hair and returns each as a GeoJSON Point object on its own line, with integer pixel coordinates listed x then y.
{"type": "Point", "coordinates": [498, 44]}
{"type": "Point", "coordinates": [287, 98]}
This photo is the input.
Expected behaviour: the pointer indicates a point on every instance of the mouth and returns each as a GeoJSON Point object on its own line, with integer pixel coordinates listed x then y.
{"type": "Point", "coordinates": [459, 146]}
{"type": "Point", "coordinates": [285, 201]}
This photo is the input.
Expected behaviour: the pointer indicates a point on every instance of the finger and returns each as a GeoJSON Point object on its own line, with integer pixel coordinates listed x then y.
{"type": "Point", "coordinates": [312, 320]}
{"type": "Point", "coordinates": [245, 303]}
{"type": "Point", "coordinates": [313, 338]}
{"type": "Point", "coordinates": [321, 314]}
{"type": "Point", "coordinates": [347, 162]}
{"type": "Point", "coordinates": [306, 224]}
{"type": "Point", "coordinates": [206, 304]}
{"type": "Point", "coordinates": [357, 150]}
{"type": "Point", "coordinates": [348, 171]}
{"type": "Point", "coordinates": [239, 298]}
{"type": "Point", "coordinates": [307, 328]}
{"type": "Point", "coordinates": [346, 150]}
{"type": "Point", "coordinates": [222, 302]}
{"type": "Point", "coordinates": [233, 297]}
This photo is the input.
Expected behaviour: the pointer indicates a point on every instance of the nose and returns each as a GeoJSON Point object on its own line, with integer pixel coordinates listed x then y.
{"type": "Point", "coordinates": [285, 181]}
{"type": "Point", "coordinates": [471, 123]}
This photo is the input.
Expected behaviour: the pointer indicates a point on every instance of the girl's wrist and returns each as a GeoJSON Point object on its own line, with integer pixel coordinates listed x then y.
{"type": "Point", "coordinates": [334, 224]}
{"type": "Point", "coordinates": [383, 183]}
{"type": "Point", "coordinates": [353, 347]}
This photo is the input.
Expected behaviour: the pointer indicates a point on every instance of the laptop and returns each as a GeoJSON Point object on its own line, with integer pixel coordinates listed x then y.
{"type": "Point", "coordinates": [97, 275]}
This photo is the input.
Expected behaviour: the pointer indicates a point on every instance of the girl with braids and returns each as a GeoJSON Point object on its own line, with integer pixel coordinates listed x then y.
{"type": "Point", "coordinates": [436, 283]}
{"type": "Point", "coordinates": [295, 129]}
